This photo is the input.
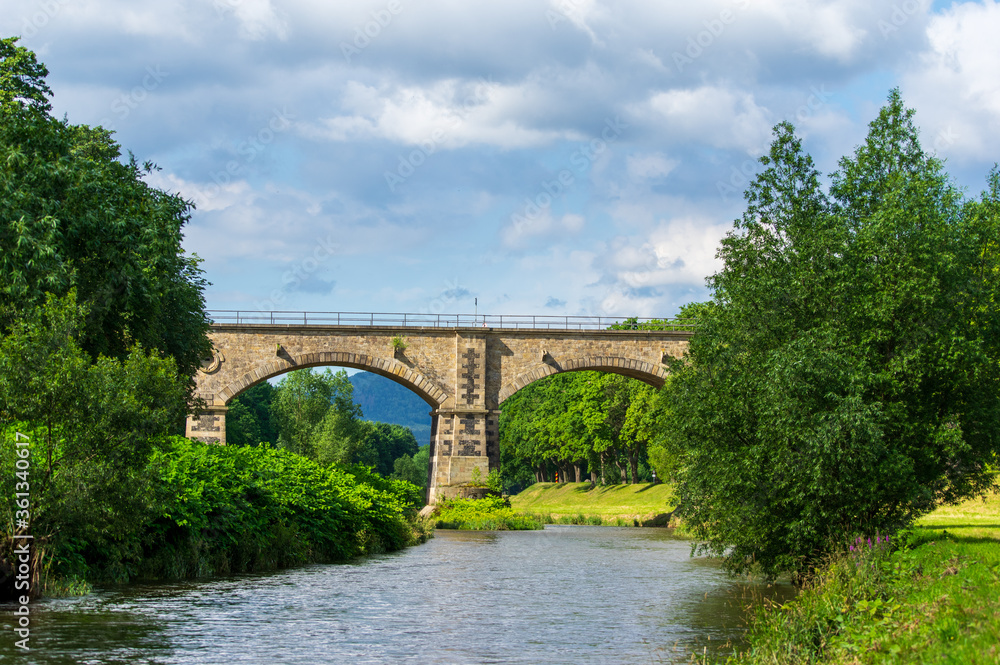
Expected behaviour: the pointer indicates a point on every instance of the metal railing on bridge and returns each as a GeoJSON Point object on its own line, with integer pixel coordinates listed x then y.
{"type": "Point", "coordinates": [416, 320]}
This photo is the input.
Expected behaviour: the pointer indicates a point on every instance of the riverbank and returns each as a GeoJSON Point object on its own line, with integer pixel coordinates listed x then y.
{"type": "Point", "coordinates": [933, 600]}
{"type": "Point", "coordinates": [614, 504]}
{"type": "Point", "coordinates": [210, 510]}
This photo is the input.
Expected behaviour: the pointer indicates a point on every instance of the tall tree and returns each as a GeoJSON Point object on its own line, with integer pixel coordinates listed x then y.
{"type": "Point", "coordinates": [304, 400]}
{"type": "Point", "coordinates": [844, 379]}
{"type": "Point", "coordinates": [74, 216]}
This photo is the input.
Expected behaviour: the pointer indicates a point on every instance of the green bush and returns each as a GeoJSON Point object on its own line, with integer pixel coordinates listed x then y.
{"type": "Point", "coordinates": [232, 509]}
{"type": "Point", "coordinates": [488, 514]}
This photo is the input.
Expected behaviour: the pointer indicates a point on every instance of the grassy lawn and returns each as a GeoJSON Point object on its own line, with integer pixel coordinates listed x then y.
{"type": "Point", "coordinates": [609, 502]}
{"type": "Point", "coordinates": [977, 518]}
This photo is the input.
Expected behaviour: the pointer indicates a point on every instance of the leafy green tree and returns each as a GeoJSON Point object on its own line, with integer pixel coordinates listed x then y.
{"type": "Point", "coordinates": [575, 422]}
{"type": "Point", "coordinates": [92, 428]}
{"type": "Point", "coordinates": [249, 419]}
{"type": "Point", "coordinates": [392, 442]}
{"type": "Point", "coordinates": [844, 379]}
{"type": "Point", "coordinates": [73, 216]}
{"type": "Point", "coordinates": [303, 401]}
{"type": "Point", "coordinates": [413, 468]}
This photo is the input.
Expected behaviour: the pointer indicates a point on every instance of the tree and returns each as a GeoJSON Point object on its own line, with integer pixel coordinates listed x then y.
{"type": "Point", "coordinates": [575, 422]}
{"type": "Point", "coordinates": [413, 469]}
{"type": "Point", "coordinates": [844, 379]}
{"type": "Point", "coordinates": [249, 418]}
{"type": "Point", "coordinates": [92, 427]}
{"type": "Point", "coordinates": [304, 400]}
{"type": "Point", "coordinates": [73, 216]}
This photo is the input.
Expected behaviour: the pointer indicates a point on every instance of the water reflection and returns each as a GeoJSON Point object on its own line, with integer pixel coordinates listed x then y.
{"type": "Point", "coordinates": [566, 594]}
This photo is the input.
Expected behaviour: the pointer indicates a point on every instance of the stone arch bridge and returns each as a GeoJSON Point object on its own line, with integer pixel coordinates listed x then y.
{"type": "Point", "coordinates": [464, 367]}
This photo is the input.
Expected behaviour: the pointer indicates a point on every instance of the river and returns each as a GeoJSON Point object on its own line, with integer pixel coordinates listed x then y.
{"type": "Point", "coordinates": [568, 594]}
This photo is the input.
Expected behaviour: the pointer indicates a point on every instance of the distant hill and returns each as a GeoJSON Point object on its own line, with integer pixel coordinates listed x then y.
{"type": "Point", "coordinates": [385, 401]}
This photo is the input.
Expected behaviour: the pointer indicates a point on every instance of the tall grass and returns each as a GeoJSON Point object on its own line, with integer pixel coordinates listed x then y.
{"type": "Point", "coordinates": [933, 599]}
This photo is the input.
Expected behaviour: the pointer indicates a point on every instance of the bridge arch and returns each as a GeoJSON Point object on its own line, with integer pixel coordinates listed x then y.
{"type": "Point", "coordinates": [647, 372]}
{"type": "Point", "coordinates": [392, 369]}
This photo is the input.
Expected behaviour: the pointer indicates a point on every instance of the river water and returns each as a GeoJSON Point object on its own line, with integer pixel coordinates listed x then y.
{"type": "Point", "coordinates": [568, 594]}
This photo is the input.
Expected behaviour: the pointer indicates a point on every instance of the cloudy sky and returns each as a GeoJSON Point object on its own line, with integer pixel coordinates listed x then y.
{"type": "Point", "coordinates": [545, 157]}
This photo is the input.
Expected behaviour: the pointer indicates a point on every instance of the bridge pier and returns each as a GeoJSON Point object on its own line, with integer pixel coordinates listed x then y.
{"type": "Point", "coordinates": [208, 426]}
{"type": "Point", "coordinates": [462, 441]}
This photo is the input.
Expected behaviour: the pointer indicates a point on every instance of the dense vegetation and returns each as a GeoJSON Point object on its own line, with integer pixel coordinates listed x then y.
{"type": "Point", "coordinates": [844, 379]}
{"type": "Point", "coordinates": [102, 324]}
{"type": "Point", "coordinates": [576, 425]}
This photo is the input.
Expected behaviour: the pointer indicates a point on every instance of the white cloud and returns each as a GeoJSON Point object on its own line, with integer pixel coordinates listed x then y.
{"type": "Point", "coordinates": [955, 86]}
{"type": "Point", "coordinates": [642, 273]}
{"type": "Point", "coordinates": [714, 115]}
{"type": "Point", "coordinates": [447, 114]}
{"type": "Point", "coordinates": [258, 18]}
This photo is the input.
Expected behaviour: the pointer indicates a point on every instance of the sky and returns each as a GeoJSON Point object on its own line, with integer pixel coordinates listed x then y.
{"type": "Point", "coordinates": [563, 157]}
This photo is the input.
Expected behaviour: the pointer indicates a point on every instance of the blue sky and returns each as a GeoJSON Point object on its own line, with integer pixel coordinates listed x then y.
{"type": "Point", "coordinates": [546, 157]}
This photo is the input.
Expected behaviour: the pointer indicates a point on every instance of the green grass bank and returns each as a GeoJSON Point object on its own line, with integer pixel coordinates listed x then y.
{"type": "Point", "coordinates": [932, 598]}
{"type": "Point", "coordinates": [614, 504]}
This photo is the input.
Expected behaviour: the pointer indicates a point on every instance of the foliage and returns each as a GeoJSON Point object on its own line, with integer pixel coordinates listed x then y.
{"type": "Point", "coordinates": [92, 428]}
{"type": "Point", "coordinates": [230, 509]}
{"type": "Point", "coordinates": [487, 514]}
{"type": "Point", "coordinates": [211, 509]}
{"type": "Point", "coordinates": [576, 421]}
{"type": "Point", "coordinates": [845, 378]}
{"type": "Point", "coordinates": [413, 469]}
{"type": "Point", "coordinates": [22, 80]}
{"type": "Point", "coordinates": [399, 344]}
{"type": "Point", "coordinates": [249, 420]}
{"type": "Point", "coordinates": [314, 413]}
{"type": "Point", "coordinates": [390, 443]}
{"type": "Point", "coordinates": [75, 217]}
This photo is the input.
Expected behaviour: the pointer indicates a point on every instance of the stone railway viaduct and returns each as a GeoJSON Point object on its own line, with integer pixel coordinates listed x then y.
{"type": "Point", "coordinates": [463, 371]}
